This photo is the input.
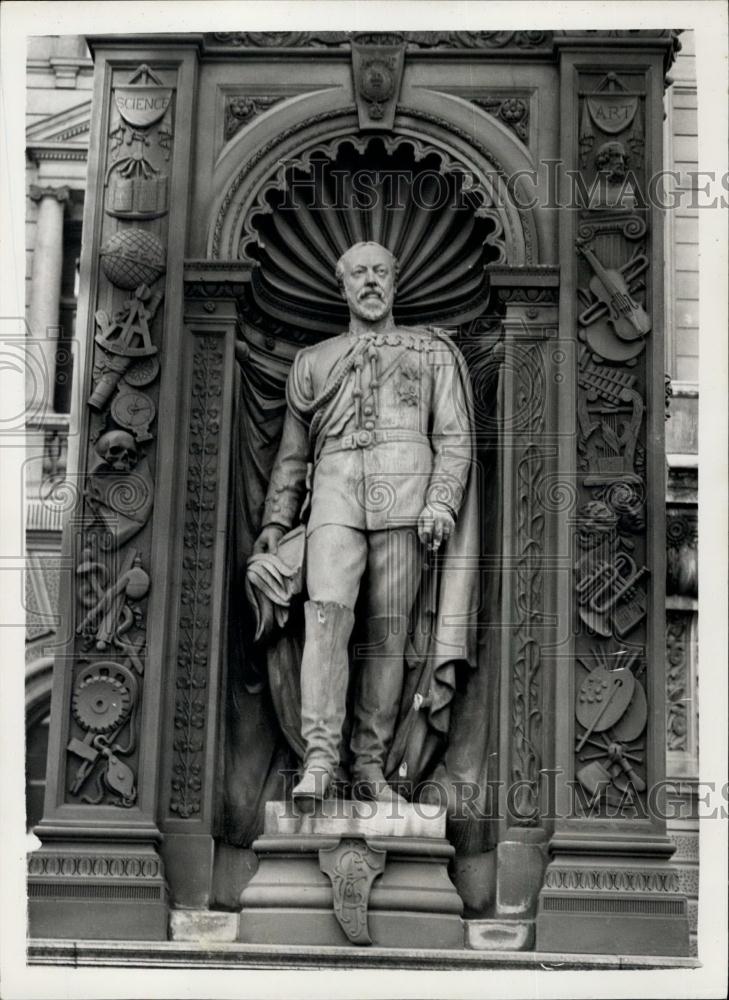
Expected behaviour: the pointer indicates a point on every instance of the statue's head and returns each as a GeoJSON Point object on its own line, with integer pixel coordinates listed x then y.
{"type": "Point", "coordinates": [367, 276]}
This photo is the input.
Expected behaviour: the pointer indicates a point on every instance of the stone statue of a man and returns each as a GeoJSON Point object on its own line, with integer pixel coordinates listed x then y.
{"type": "Point", "coordinates": [379, 413]}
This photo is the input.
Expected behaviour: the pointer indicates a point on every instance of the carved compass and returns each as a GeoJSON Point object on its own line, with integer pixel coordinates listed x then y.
{"type": "Point", "coordinates": [134, 411]}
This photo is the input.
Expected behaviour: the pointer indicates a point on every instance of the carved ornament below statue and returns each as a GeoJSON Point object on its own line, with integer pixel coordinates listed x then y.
{"type": "Point", "coordinates": [352, 866]}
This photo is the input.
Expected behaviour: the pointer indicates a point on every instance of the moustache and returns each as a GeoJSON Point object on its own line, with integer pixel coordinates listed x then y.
{"type": "Point", "coordinates": [369, 292]}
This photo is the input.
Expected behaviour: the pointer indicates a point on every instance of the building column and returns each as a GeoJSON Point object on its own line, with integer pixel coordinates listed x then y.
{"type": "Point", "coordinates": [45, 297]}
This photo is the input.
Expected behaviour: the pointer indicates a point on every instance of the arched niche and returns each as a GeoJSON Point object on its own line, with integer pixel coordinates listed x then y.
{"type": "Point", "coordinates": [461, 137]}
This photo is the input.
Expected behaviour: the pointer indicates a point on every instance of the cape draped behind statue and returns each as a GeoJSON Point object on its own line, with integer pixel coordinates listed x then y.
{"type": "Point", "coordinates": [446, 730]}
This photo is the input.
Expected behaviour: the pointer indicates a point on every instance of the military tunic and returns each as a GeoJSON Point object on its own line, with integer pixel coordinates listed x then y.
{"type": "Point", "coordinates": [380, 424]}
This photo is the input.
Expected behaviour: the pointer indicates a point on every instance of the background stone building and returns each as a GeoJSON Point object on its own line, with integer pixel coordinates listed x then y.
{"type": "Point", "coordinates": [59, 82]}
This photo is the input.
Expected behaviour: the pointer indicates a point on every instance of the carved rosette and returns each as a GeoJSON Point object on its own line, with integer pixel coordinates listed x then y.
{"type": "Point", "coordinates": [612, 578]}
{"type": "Point", "coordinates": [511, 111]}
{"type": "Point", "coordinates": [113, 536]}
{"type": "Point", "coordinates": [197, 575]}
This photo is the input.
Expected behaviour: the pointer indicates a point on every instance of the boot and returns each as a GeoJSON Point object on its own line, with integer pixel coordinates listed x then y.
{"type": "Point", "coordinates": [324, 679]}
{"type": "Point", "coordinates": [377, 706]}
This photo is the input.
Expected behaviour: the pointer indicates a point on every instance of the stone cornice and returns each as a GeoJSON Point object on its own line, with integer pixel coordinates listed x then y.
{"type": "Point", "coordinates": [79, 63]}
{"type": "Point", "coordinates": [52, 151]}
{"type": "Point", "coordinates": [464, 44]}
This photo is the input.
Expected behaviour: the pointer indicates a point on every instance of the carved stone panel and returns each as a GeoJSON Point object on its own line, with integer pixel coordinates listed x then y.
{"type": "Point", "coordinates": [612, 578]}
{"type": "Point", "coordinates": [113, 535]}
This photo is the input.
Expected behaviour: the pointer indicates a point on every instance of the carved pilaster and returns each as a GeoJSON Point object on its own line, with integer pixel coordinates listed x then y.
{"type": "Point", "coordinates": [530, 364]}
{"type": "Point", "coordinates": [103, 745]}
{"type": "Point", "coordinates": [192, 716]}
{"type": "Point", "coordinates": [610, 739]}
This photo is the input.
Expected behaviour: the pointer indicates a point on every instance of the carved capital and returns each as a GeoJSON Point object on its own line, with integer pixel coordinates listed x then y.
{"type": "Point", "coordinates": [61, 194]}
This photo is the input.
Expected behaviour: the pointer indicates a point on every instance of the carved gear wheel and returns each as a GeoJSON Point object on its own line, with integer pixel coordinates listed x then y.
{"type": "Point", "coordinates": [100, 701]}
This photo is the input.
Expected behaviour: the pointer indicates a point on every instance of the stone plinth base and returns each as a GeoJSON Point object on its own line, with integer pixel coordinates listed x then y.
{"type": "Point", "coordinates": [626, 906]}
{"type": "Point", "coordinates": [103, 892]}
{"type": "Point", "coordinates": [398, 853]}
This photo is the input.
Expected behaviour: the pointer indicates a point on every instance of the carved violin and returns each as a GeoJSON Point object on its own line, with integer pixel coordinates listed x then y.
{"type": "Point", "coordinates": [627, 317]}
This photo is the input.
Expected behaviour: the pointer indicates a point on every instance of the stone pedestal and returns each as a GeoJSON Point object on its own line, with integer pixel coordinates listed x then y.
{"type": "Point", "coordinates": [633, 902]}
{"type": "Point", "coordinates": [387, 869]}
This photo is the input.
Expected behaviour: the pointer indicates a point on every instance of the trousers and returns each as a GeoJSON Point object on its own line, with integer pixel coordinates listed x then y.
{"type": "Point", "coordinates": [339, 559]}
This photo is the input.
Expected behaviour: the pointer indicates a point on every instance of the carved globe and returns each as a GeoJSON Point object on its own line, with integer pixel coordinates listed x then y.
{"type": "Point", "coordinates": [132, 257]}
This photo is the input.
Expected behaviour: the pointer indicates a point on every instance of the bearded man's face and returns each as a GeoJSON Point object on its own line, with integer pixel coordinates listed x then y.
{"type": "Point", "coordinates": [368, 280]}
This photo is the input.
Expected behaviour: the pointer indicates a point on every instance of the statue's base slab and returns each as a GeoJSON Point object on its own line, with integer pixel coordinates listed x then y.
{"type": "Point", "coordinates": [412, 903]}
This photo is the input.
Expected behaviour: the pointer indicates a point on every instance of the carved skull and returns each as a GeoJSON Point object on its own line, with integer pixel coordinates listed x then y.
{"type": "Point", "coordinates": [119, 450]}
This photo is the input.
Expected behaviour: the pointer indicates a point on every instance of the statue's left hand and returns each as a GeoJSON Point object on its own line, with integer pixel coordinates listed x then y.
{"type": "Point", "coordinates": [435, 525]}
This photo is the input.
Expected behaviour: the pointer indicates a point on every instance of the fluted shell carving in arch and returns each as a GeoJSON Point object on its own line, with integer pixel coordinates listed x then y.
{"type": "Point", "coordinates": [432, 212]}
